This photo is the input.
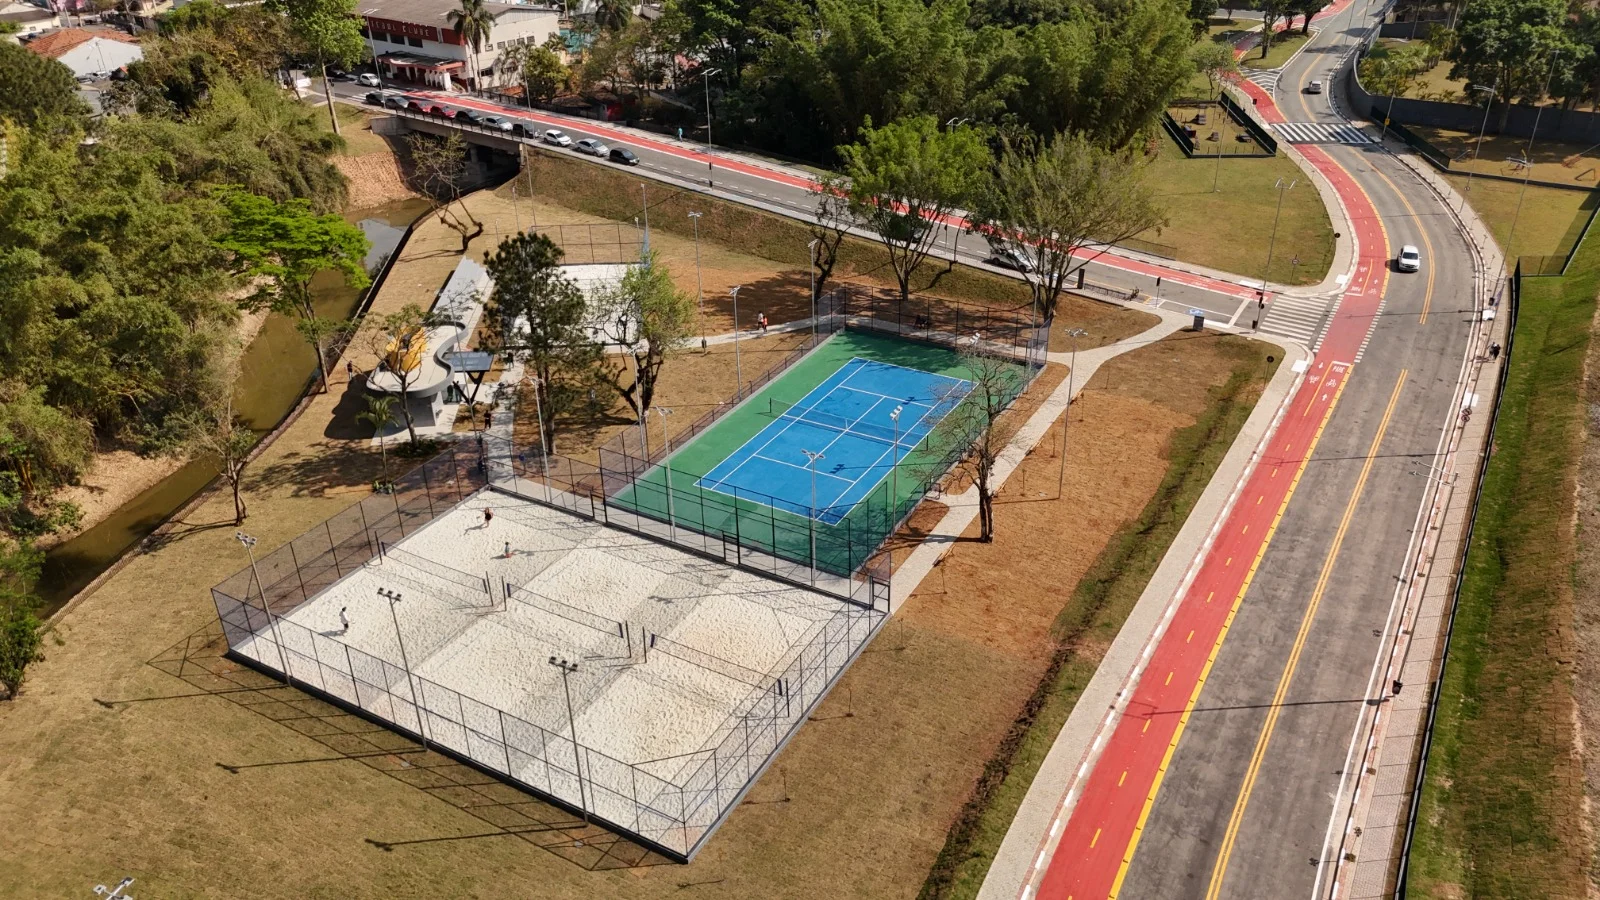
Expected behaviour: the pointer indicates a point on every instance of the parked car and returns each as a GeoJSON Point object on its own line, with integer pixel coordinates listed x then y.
{"type": "Point", "coordinates": [439, 109]}
{"type": "Point", "coordinates": [623, 156]}
{"type": "Point", "coordinates": [397, 101]}
{"type": "Point", "coordinates": [1409, 260]}
{"type": "Point", "coordinates": [368, 79]}
{"type": "Point", "coordinates": [1315, 87]}
{"type": "Point", "coordinates": [470, 116]}
{"type": "Point", "coordinates": [498, 123]}
{"type": "Point", "coordinates": [1006, 258]}
{"type": "Point", "coordinates": [557, 137]}
{"type": "Point", "coordinates": [592, 147]}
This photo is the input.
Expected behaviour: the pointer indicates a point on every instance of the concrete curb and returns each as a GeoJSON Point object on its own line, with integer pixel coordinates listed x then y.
{"type": "Point", "coordinates": [1050, 798]}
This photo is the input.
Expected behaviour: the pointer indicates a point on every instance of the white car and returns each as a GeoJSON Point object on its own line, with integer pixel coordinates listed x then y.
{"type": "Point", "coordinates": [498, 123]}
{"type": "Point", "coordinates": [1409, 260]}
{"type": "Point", "coordinates": [557, 137]}
{"type": "Point", "coordinates": [369, 79]}
{"type": "Point", "coordinates": [592, 147]}
{"type": "Point", "coordinates": [1314, 87]}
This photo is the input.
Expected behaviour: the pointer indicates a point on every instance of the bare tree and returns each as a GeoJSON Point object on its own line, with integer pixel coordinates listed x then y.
{"type": "Point", "coordinates": [439, 165]}
{"type": "Point", "coordinates": [831, 221]}
{"type": "Point", "coordinates": [215, 430]}
{"type": "Point", "coordinates": [970, 438]}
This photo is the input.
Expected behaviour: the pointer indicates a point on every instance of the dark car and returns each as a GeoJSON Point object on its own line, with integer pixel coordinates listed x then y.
{"type": "Point", "coordinates": [374, 98]}
{"type": "Point", "coordinates": [396, 101]}
{"type": "Point", "coordinates": [471, 116]}
{"type": "Point", "coordinates": [623, 155]}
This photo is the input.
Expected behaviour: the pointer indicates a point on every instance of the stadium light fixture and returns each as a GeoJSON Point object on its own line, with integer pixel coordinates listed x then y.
{"type": "Point", "coordinates": [567, 670]}
{"type": "Point", "coordinates": [394, 598]}
{"type": "Point", "coordinates": [894, 471]}
{"type": "Point", "coordinates": [249, 543]}
{"type": "Point", "coordinates": [699, 287]}
{"type": "Point", "coordinates": [737, 372]}
{"type": "Point", "coordinates": [812, 456]}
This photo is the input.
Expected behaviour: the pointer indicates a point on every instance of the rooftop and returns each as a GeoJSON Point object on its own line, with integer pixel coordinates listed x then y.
{"type": "Point", "coordinates": [57, 43]}
{"type": "Point", "coordinates": [436, 12]}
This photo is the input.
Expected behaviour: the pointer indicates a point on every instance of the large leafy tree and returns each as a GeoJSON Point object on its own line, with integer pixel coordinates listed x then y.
{"type": "Point", "coordinates": [1507, 45]}
{"type": "Point", "coordinates": [35, 88]}
{"type": "Point", "coordinates": [538, 313]}
{"type": "Point", "coordinates": [649, 320]}
{"type": "Point", "coordinates": [1058, 205]}
{"type": "Point", "coordinates": [474, 21]}
{"type": "Point", "coordinates": [282, 247]}
{"type": "Point", "coordinates": [907, 177]}
{"type": "Point", "coordinates": [330, 31]}
{"type": "Point", "coordinates": [1214, 60]}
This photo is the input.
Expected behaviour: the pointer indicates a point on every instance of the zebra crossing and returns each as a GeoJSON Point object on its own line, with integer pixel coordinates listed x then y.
{"type": "Point", "coordinates": [1267, 81]}
{"type": "Point", "coordinates": [1321, 133]}
{"type": "Point", "coordinates": [1300, 318]}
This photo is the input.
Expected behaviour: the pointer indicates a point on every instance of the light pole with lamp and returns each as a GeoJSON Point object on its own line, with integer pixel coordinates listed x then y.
{"type": "Point", "coordinates": [711, 169]}
{"type": "Point", "coordinates": [813, 248]}
{"type": "Point", "coordinates": [894, 472]}
{"type": "Point", "coordinates": [277, 636]}
{"type": "Point", "coordinates": [666, 461]}
{"type": "Point", "coordinates": [567, 670]}
{"type": "Point", "coordinates": [1072, 371]}
{"type": "Point", "coordinates": [377, 67]}
{"type": "Point", "coordinates": [699, 288]}
{"type": "Point", "coordinates": [394, 598]}
{"type": "Point", "coordinates": [644, 202]}
{"type": "Point", "coordinates": [1526, 161]}
{"type": "Point", "coordinates": [544, 446]}
{"type": "Point", "coordinates": [1266, 271]}
{"type": "Point", "coordinates": [812, 457]}
{"type": "Point", "coordinates": [1483, 127]}
{"type": "Point", "coordinates": [738, 375]}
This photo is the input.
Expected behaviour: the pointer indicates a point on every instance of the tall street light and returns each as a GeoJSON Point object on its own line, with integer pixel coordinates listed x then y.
{"type": "Point", "coordinates": [1487, 106]}
{"type": "Point", "coordinates": [277, 636]}
{"type": "Point", "coordinates": [567, 670]}
{"type": "Point", "coordinates": [666, 438]}
{"type": "Point", "coordinates": [812, 458]}
{"type": "Point", "coordinates": [813, 248]}
{"type": "Point", "coordinates": [711, 169]}
{"type": "Point", "coordinates": [644, 200]}
{"type": "Point", "coordinates": [894, 473]}
{"type": "Point", "coordinates": [377, 67]}
{"type": "Point", "coordinates": [699, 288]}
{"type": "Point", "coordinates": [1266, 271]}
{"type": "Point", "coordinates": [394, 600]}
{"type": "Point", "coordinates": [737, 372]}
{"type": "Point", "coordinates": [1072, 371]}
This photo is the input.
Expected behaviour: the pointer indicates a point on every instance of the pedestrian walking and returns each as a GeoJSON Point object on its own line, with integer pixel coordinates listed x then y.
{"type": "Point", "coordinates": [488, 516]}
{"type": "Point", "coordinates": [350, 370]}
{"type": "Point", "coordinates": [344, 620]}
{"type": "Point", "coordinates": [1494, 351]}
{"type": "Point", "coordinates": [680, 132]}
{"type": "Point", "coordinates": [761, 320]}
{"type": "Point", "coordinates": [488, 419]}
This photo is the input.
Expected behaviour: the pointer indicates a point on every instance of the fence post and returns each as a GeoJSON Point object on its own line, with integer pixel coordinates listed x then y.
{"type": "Point", "coordinates": [455, 476]}
{"type": "Point", "coordinates": [293, 557]}
{"type": "Point", "coordinates": [399, 518]}
{"type": "Point", "coordinates": [361, 507]}
{"type": "Point", "coordinates": [333, 549]}
{"type": "Point", "coordinates": [427, 489]}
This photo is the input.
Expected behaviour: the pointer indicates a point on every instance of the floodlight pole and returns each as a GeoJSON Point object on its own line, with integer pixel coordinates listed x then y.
{"type": "Point", "coordinates": [277, 636]}
{"type": "Point", "coordinates": [738, 375]}
{"type": "Point", "coordinates": [644, 199]}
{"type": "Point", "coordinates": [1066, 414]}
{"type": "Point", "coordinates": [711, 168]}
{"type": "Point", "coordinates": [812, 457]}
{"type": "Point", "coordinates": [394, 598]}
{"type": "Point", "coordinates": [567, 669]}
{"type": "Point", "coordinates": [894, 471]}
{"type": "Point", "coordinates": [666, 461]}
{"type": "Point", "coordinates": [1487, 106]}
{"type": "Point", "coordinates": [813, 248]}
{"type": "Point", "coordinates": [699, 288]}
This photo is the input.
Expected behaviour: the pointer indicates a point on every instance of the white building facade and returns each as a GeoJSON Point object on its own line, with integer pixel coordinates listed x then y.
{"type": "Point", "coordinates": [413, 41]}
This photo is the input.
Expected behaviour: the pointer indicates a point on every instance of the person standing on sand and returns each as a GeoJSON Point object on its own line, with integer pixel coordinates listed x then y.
{"type": "Point", "coordinates": [344, 620]}
{"type": "Point", "coordinates": [488, 516]}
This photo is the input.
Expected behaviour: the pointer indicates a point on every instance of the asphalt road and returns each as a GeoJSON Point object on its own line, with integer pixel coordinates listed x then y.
{"type": "Point", "coordinates": [1242, 805]}
{"type": "Point", "coordinates": [786, 190]}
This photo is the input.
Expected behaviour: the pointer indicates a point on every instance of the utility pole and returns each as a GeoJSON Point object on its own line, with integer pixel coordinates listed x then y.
{"type": "Point", "coordinates": [812, 457]}
{"type": "Point", "coordinates": [737, 372]}
{"type": "Point", "coordinates": [699, 288]}
{"type": "Point", "coordinates": [567, 669]}
{"type": "Point", "coordinates": [277, 636]}
{"type": "Point", "coordinates": [1266, 270]}
{"type": "Point", "coordinates": [1072, 372]}
{"type": "Point", "coordinates": [394, 599]}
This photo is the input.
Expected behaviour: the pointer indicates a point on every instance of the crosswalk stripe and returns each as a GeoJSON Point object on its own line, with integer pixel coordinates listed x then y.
{"type": "Point", "coordinates": [1321, 133]}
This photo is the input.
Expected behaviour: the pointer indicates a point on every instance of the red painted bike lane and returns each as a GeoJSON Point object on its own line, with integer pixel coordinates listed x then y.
{"type": "Point", "coordinates": [1099, 839]}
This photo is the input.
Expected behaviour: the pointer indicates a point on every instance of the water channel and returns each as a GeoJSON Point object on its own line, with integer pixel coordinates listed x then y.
{"type": "Point", "coordinates": [275, 372]}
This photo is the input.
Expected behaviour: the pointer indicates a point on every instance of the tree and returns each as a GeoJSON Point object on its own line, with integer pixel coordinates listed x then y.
{"type": "Point", "coordinates": [907, 176]}
{"type": "Point", "coordinates": [1214, 60]}
{"type": "Point", "coordinates": [539, 314]}
{"type": "Point", "coordinates": [1307, 9]}
{"type": "Point", "coordinates": [330, 31]}
{"type": "Point", "coordinates": [1050, 204]}
{"type": "Point", "coordinates": [474, 21]}
{"type": "Point", "coordinates": [1200, 13]}
{"type": "Point", "coordinates": [380, 415]}
{"type": "Point", "coordinates": [19, 627]}
{"type": "Point", "coordinates": [439, 165]}
{"type": "Point", "coordinates": [1273, 12]}
{"type": "Point", "coordinates": [283, 246]}
{"type": "Point", "coordinates": [35, 88]}
{"type": "Point", "coordinates": [830, 222]}
{"type": "Point", "coordinates": [1393, 72]}
{"type": "Point", "coordinates": [613, 15]}
{"type": "Point", "coordinates": [543, 74]}
{"type": "Point", "coordinates": [400, 341]}
{"type": "Point", "coordinates": [649, 320]}
{"type": "Point", "coordinates": [970, 438]}
{"type": "Point", "coordinates": [1506, 45]}
{"type": "Point", "coordinates": [218, 432]}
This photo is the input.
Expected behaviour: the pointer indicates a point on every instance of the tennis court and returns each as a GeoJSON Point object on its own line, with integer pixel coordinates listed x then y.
{"type": "Point", "coordinates": [868, 404]}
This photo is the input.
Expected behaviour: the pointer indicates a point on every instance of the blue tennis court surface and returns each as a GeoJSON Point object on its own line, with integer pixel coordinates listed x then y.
{"type": "Point", "coordinates": [848, 418]}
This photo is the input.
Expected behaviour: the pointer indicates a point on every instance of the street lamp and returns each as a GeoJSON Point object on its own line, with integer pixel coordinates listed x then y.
{"type": "Point", "coordinates": [813, 248]}
{"type": "Point", "coordinates": [953, 123]}
{"type": "Point", "coordinates": [644, 200]}
{"type": "Point", "coordinates": [394, 599]}
{"type": "Point", "coordinates": [737, 372]}
{"type": "Point", "coordinates": [1527, 170]}
{"type": "Point", "coordinates": [1487, 106]}
{"type": "Point", "coordinates": [894, 473]}
{"type": "Point", "coordinates": [699, 289]}
{"type": "Point", "coordinates": [1266, 271]}
{"type": "Point", "coordinates": [277, 636]}
{"type": "Point", "coordinates": [711, 168]}
{"type": "Point", "coordinates": [567, 670]}
{"type": "Point", "coordinates": [1072, 371]}
{"type": "Point", "coordinates": [377, 67]}
{"type": "Point", "coordinates": [812, 457]}
{"type": "Point", "coordinates": [666, 437]}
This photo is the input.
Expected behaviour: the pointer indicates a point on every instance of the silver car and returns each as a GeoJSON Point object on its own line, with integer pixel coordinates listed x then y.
{"type": "Point", "coordinates": [557, 137]}
{"type": "Point", "coordinates": [498, 123]}
{"type": "Point", "coordinates": [592, 147]}
{"type": "Point", "coordinates": [1409, 260]}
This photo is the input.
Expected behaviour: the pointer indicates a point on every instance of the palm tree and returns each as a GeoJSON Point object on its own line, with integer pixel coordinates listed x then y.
{"type": "Point", "coordinates": [473, 21]}
{"type": "Point", "coordinates": [613, 15]}
{"type": "Point", "coordinates": [380, 415]}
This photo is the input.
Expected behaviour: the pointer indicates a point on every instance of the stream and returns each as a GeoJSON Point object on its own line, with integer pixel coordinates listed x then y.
{"type": "Point", "coordinates": [275, 372]}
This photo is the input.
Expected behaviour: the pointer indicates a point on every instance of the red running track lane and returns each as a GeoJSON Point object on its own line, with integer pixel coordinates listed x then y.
{"type": "Point", "coordinates": [1097, 845]}
{"type": "Point", "coordinates": [778, 176]}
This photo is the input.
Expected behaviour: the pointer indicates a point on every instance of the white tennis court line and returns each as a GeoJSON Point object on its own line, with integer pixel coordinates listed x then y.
{"type": "Point", "coordinates": [784, 430]}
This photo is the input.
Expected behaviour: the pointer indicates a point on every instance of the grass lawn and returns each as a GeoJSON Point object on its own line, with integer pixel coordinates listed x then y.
{"type": "Point", "coordinates": [1283, 46]}
{"type": "Point", "coordinates": [1230, 229]}
{"type": "Point", "coordinates": [1550, 221]}
{"type": "Point", "coordinates": [355, 124]}
{"type": "Point", "coordinates": [1503, 803]}
{"type": "Point", "coordinates": [1222, 29]}
{"type": "Point", "coordinates": [1550, 158]}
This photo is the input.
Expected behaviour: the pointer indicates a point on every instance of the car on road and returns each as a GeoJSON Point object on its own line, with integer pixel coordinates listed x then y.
{"type": "Point", "coordinates": [470, 116]}
{"type": "Point", "coordinates": [623, 156]}
{"type": "Point", "coordinates": [1006, 258]}
{"type": "Point", "coordinates": [396, 101]}
{"type": "Point", "coordinates": [368, 79]}
{"type": "Point", "coordinates": [557, 137]}
{"type": "Point", "coordinates": [592, 147]}
{"type": "Point", "coordinates": [374, 98]}
{"type": "Point", "coordinates": [497, 123]}
{"type": "Point", "coordinates": [1315, 87]}
{"type": "Point", "coordinates": [1409, 260]}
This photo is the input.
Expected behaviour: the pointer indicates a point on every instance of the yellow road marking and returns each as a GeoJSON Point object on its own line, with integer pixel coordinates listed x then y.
{"type": "Point", "coordinates": [1427, 296]}
{"type": "Point", "coordinates": [1094, 840]}
{"type": "Point", "coordinates": [1205, 670]}
{"type": "Point", "coordinates": [1273, 709]}
{"type": "Point", "coordinates": [1123, 778]}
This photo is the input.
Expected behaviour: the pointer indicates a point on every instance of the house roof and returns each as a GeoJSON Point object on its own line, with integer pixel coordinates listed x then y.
{"type": "Point", "coordinates": [30, 14]}
{"type": "Point", "coordinates": [57, 43]}
{"type": "Point", "coordinates": [436, 12]}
